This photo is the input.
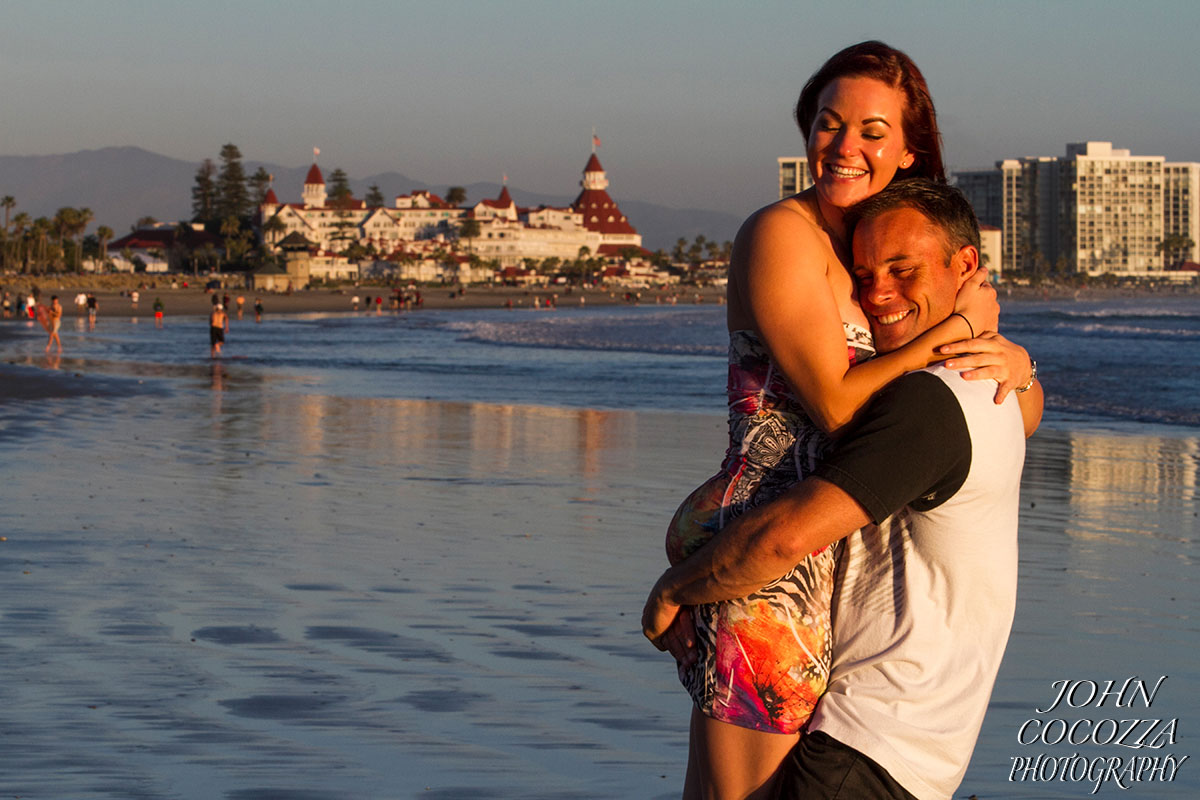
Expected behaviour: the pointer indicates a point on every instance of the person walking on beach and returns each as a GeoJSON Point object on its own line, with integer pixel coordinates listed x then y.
{"type": "Point", "coordinates": [93, 308]}
{"type": "Point", "coordinates": [218, 323]}
{"type": "Point", "coordinates": [158, 312]}
{"type": "Point", "coordinates": [926, 590]}
{"type": "Point", "coordinates": [55, 319]}
{"type": "Point", "coordinates": [134, 296]}
{"type": "Point", "coordinates": [258, 309]}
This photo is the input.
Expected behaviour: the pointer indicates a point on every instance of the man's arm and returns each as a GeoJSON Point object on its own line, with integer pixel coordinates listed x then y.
{"type": "Point", "coordinates": [763, 544]}
{"type": "Point", "coordinates": [752, 551]}
{"type": "Point", "coordinates": [915, 422]}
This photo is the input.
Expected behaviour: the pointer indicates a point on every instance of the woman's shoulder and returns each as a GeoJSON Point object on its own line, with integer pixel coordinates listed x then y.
{"type": "Point", "coordinates": [794, 216]}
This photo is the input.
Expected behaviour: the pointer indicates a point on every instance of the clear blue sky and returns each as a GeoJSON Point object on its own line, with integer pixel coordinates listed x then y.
{"type": "Point", "coordinates": [692, 100]}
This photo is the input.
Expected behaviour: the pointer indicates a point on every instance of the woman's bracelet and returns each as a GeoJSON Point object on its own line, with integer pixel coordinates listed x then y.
{"type": "Point", "coordinates": [970, 327]}
{"type": "Point", "coordinates": [1032, 377]}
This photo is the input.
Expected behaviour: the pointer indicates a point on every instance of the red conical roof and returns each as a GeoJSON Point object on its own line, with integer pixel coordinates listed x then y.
{"type": "Point", "coordinates": [314, 176]}
{"type": "Point", "coordinates": [600, 211]}
{"type": "Point", "coordinates": [505, 199]}
{"type": "Point", "coordinates": [271, 199]}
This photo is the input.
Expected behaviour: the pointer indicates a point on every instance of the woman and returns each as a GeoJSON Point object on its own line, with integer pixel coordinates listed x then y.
{"type": "Point", "coordinates": [799, 370]}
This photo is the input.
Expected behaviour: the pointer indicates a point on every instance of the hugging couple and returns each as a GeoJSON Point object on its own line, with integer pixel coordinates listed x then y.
{"type": "Point", "coordinates": [842, 590]}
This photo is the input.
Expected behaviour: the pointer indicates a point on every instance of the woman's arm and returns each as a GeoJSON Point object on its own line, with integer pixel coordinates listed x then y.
{"type": "Point", "coordinates": [779, 273]}
{"type": "Point", "coordinates": [990, 355]}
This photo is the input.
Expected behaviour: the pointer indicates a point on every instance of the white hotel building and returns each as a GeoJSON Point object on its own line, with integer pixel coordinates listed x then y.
{"type": "Point", "coordinates": [1096, 210]}
{"type": "Point", "coordinates": [418, 222]}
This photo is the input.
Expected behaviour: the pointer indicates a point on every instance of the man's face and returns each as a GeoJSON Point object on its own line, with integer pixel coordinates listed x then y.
{"type": "Point", "coordinates": [906, 282]}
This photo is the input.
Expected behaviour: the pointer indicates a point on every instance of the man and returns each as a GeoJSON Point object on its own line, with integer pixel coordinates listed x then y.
{"type": "Point", "coordinates": [218, 323]}
{"type": "Point", "coordinates": [925, 595]}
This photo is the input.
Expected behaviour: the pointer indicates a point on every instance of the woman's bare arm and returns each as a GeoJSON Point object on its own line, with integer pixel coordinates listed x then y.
{"type": "Point", "coordinates": [779, 273]}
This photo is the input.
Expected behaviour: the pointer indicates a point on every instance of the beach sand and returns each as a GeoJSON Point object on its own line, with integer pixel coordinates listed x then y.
{"type": "Point", "coordinates": [247, 594]}
{"type": "Point", "coordinates": [237, 590]}
{"type": "Point", "coordinates": [197, 301]}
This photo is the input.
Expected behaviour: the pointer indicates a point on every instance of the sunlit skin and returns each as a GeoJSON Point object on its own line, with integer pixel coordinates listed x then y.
{"type": "Point", "coordinates": [907, 275]}
{"type": "Point", "coordinates": [856, 144]}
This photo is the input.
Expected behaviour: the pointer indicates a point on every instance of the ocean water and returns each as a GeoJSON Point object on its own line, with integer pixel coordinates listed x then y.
{"type": "Point", "coordinates": [403, 555]}
{"type": "Point", "coordinates": [1124, 360]}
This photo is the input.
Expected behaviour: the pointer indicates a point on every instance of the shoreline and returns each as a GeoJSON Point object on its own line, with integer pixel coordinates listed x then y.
{"type": "Point", "coordinates": [197, 302]}
{"type": "Point", "coordinates": [111, 294]}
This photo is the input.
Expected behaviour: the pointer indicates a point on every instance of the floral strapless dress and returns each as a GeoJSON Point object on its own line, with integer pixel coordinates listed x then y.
{"type": "Point", "coordinates": [764, 659]}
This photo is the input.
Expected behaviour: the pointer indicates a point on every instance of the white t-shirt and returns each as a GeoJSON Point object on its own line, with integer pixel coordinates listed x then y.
{"type": "Point", "coordinates": [925, 599]}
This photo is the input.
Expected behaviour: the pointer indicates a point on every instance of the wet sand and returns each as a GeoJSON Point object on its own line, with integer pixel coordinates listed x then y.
{"type": "Point", "coordinates": [234, 590]}
{"type": "Point", "coordinates": [245, 594]}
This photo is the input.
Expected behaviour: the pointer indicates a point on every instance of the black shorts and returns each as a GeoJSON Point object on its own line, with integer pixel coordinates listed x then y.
{"type": "Point", "coordinates": [822, 768]}
{"type": "Point", "coordinates": [216, 335]}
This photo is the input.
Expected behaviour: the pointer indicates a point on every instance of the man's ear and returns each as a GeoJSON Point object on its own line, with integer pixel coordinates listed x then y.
{"type": "Point", "coordinates": [964, 263]}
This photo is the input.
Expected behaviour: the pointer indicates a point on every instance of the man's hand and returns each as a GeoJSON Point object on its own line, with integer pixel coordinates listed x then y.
{"type": "Point", "coordinates": [657, 616]}
{"type": "Point", "coordinates": [670, 628]}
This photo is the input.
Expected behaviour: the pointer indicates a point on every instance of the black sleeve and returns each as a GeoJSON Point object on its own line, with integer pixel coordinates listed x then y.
{"type": "Point", "coordinates": [909, 446]}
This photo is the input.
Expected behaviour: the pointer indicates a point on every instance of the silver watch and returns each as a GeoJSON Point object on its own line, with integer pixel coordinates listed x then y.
{"type": "Point", "coordinates": [1032, 377]}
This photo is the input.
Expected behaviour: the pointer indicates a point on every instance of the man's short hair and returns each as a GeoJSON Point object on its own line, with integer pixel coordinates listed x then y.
{"type": "Point", "coordinates": [942, 204]}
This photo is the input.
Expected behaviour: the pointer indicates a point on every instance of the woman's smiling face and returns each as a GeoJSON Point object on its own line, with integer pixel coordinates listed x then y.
{"type": "Point", "coordinates": [857, 140]}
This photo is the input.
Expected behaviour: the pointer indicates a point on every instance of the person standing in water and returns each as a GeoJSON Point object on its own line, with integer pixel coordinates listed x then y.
{"type": "Point", "coordinates": [218, 323]}
{"type": "Point", "coordinates": [55, 319]}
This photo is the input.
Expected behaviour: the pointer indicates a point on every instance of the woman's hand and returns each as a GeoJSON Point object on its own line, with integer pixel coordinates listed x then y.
{"type": "Point", "coordinates": [990, 355]}
{"type": "Point", "coordinates": [977, 301]}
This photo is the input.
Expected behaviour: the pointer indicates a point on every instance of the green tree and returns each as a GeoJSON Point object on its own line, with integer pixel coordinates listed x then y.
{"type": "Point", "coordinates": [1173, 247]}
{"type": "Point", "coordinates": [374, 198]}
{"type": "Point", "coordinates": [679, 252]}
{"type": "Point", "coordinates": [82, 218]}
{"type": "Point", "coordinates": [40, 233]}
{"type": "Point", "coordinates": [20, 251]}
{"type": "Point", "coordinates": [204, 193]}
{"type": "Point", "coordinates": [104, 235]}
{"type": "Point", "coordinates": [259, 184]}
{"type": "Point", "coordinates": [232, 198]}
{"type": "Point", "coordinates": [469, 229]}
{"type": "Point", "coordinates": [455, 195]}
{"type": "Point", "coordinates": [274, 229]}
{"type": "Point", "coordinates": [340, 200]}
{"type": "Point", "coordinates": [237, 240]}
{"type": "Point", "coordinates": [7, 203]}
{"type": "Point", "coordinates": [65, 221]}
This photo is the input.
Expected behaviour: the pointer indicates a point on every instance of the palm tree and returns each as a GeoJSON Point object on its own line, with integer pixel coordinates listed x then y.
{"type": "Point", "coordinates": [64, 223]}
{"type": "Point", "coordinates": [679, 253]}
{"type": "Point", "coordinates": [8, 202]}
{"type": "Point", "coordinates": [19, 224]}
{"type": "Point", "coordinates": [39, 233]}
{"type": "Point", "coordinates": [469, 229]}
{"type": "Point", "coordinates": [455, 195]}
{"type": "Point", "coordinates": [104, 235]}
{"type": "Point", "coordinates": [83, 216]}
{"type": "Point", "coordinates": [273, 229]}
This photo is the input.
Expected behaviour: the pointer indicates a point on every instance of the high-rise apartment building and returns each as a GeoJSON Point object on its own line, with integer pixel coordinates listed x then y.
{"type": "Point", "coordinates": [1098, 209]}
{"type": "Point", "coordinates": [1112, 210]}
{"type": "Point", "coordinates": [1181, 215]}
{"type": "Point", "coordinates": [793, 176]}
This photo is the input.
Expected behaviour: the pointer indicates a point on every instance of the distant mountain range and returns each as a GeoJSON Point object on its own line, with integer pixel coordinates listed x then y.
{"type": "Point", "coordinates": [123, 184]}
